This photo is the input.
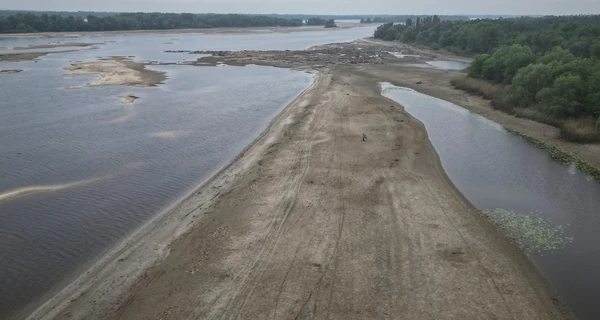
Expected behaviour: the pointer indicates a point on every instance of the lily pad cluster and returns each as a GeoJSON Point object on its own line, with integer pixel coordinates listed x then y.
{"type": "Point", "coordinates": [529, 231]}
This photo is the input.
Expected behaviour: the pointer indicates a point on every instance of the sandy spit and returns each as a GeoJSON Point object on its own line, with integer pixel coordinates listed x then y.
{"type": "Point", "coordinates": [26, 56]}
{"type": "Point", "coordinates": [119, 71]}
{"type": "Point", "coordinates": [341, 210]}
{"type": "Point", "coordinates": [10, 71]}
{"type": "Point", "coordinates": [55, 45]}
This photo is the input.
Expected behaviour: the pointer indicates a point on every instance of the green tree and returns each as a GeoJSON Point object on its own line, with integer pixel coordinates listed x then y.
{"type": "Point", "coordinates": [475, 69]}
{"type": "Point", "coordinates": [593, 94]}
{"type": "Point", "coordinates": [528, 82]}
{"type": "Point", "coordinates": [557, 54]}
{"type": "Point", "coordinates": [316, 21]}
{"type": "Point", "coordinates": [595, 51]}
{"type": "Point", "coordinates": [565, 96]}
{"type": "Point", "coordinates": [504, 63]}
{"type": "Point", "coordinates": [330, 24]}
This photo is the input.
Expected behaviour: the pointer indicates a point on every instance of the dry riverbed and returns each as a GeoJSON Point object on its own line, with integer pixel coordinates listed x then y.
{"type": "Point", "coordinates": [128, 98]}
{"type": "Point", "coordinates": [340, 210]}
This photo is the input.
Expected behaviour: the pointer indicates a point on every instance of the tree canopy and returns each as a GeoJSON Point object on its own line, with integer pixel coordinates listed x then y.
{"type": "Point", "coordinates": [316, 21]}
{"type": "Point", "coordinates": [403, 18]}
{"type": "Point", "coordinates": [550, 66]}
{"type": "Point", "coordinates": [330, 24]}
{"type": "Point", "coordinates": [29, 22]}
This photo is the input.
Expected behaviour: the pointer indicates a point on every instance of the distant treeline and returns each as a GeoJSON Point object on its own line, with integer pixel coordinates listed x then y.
{"type": "Point", "coordinates": [546, 69]}
{"type": "Point", "coordinates": [374, 17]}
{"type": "Point", "coordinates": [575, 33]}
{"type": "Point", "coordinates": [29, 22]}
{"type": "Point", "coordinates": [404, 18]}
{"type": "Point", "coordinates": [64, 14]}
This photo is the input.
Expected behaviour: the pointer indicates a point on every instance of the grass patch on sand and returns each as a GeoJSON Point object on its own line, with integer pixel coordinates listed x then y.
{"type": "Point", "coordinates": [478, 87]}
{"type": "Point", "coordinates": [531, 233]}
{"type": "Point", "coordinates": [536, 115]}
{"type": "Point", "coordinates": [580, 131]}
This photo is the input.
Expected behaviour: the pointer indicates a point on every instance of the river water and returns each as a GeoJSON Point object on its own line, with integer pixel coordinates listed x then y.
{"type": "Point", "coordinates": [80, 171]}
{"type": "Point", "coordinates": [495, 169]}
{"type": "Point", "coordinates": [449, 65]}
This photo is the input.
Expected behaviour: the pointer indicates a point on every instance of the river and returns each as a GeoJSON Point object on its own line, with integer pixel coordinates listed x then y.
{"type": "Point", "coordinates": [496, 169]}
{"type": "Point", "coordinates": [80, 171]}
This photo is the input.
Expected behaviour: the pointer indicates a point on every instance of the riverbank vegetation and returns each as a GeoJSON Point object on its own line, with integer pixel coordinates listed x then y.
{"type": "Point", "coordinates": [30, 22]}
{"type": "Point", "coordinates": [546, 69]}
{"type": "Point", "coordinates": [532, 233]}
{"type": "Point", "coordinates": [316, 21]}
{"type": "Point", "coordinates": [560, 155]}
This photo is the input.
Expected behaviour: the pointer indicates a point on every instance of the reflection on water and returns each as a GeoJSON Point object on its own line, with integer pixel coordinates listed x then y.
{"type": "Point", "coordinates": [495, 169]}
{"type": "Point", "coordinates": [53, 216]}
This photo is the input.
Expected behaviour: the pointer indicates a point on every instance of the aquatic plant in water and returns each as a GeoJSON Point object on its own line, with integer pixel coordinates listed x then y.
{"type": "Point", "coordinates": [530, 232]}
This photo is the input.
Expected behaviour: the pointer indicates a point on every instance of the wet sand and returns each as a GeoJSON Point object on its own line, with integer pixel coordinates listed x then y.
{"type": "Point", "coordinates": [128, 98]}
{"type": "Point", "coordinates": [119, 71]}
{"type": "Point", "coordinates": [26, 56]}
{"type": "Point", "coordinates": [340, 210]}
{"type": "Point", "coordinates": [55, 45]}
{"type": "Point", "coordinates": [10, 71]}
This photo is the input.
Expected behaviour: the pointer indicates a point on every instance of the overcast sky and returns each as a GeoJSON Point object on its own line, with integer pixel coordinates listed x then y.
{"type": "Point", "coordinates": [317, 6]}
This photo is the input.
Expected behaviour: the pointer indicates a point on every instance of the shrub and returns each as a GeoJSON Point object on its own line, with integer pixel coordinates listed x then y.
{"type": "Point", "coordinates": [481, 88]}
{"type": "Point", "coordinates": [476, 67]}
{"type": "Point", "coordinates": [536, 115]}
{"type": "Point", "coordinates": [580, 130]}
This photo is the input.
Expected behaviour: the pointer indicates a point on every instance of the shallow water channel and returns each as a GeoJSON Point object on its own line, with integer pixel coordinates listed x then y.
{"type": "Point", "coordinates": [496, 169]}
{"type": "Point", "coordinates": [449, 65]}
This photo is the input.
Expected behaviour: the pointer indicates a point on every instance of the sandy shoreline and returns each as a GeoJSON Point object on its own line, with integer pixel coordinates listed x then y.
{"type": "Point", "coordinates": [118, 71]}
{"type": "Point", "coordinates": [312, 221]}
{"type": "Point", "coordinates": [128, 262]}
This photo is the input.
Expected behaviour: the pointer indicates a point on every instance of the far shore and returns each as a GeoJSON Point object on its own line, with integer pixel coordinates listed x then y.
{"type": "Point", "coordinates": [233, 30]}
{"type": "Point", "coordinates": [55, 45]}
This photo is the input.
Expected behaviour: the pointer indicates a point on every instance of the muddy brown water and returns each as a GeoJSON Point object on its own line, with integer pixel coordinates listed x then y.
{"type": "Point", "coordinates": [496, 169]}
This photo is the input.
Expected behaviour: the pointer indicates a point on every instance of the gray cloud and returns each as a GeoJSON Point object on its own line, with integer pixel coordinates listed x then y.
{"type": "Point", "coordinates": [318, 6]}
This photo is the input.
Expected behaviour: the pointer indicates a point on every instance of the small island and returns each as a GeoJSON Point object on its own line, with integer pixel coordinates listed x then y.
{"type": "Point", "coordinates": [10, 71]}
